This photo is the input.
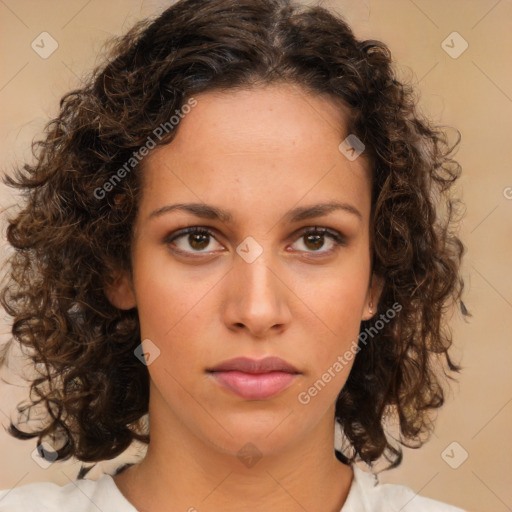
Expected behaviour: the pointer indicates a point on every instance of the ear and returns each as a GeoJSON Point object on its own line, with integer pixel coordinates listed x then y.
{"type": "Point", "coordinates": [373, 296]}
{"type": "Point", "coordinates": [120, 292]}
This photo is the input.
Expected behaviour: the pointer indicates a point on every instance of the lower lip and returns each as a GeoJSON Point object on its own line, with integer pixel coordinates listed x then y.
{"type": "Point", "coordinates": [254, 386]}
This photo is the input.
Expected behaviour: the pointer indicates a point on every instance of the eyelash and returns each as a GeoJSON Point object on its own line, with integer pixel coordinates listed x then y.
{"type": "Point", "coordinates": [336, 236]}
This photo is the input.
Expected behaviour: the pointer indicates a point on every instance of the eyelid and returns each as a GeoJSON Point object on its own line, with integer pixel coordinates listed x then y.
{"type": "Point", "coordinates": [323, 230]}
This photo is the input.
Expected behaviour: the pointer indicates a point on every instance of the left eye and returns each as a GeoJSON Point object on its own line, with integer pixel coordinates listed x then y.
{"type": "Point", "coordinates": [315, 238]}
{"type": "Point", "coordinates": [198, 238]}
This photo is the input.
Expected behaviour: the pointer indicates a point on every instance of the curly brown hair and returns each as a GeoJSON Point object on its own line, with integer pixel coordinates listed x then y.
{"type": "Point", "coordinates": [74, 233]}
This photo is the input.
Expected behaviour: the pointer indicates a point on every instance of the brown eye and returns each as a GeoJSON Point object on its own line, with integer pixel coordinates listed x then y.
{"type": "Point", "coordinates": [198, 241]}
{"type": "Point", "coordinates": [315, 239]}
{"type": "Point", "coordinates": [192, 240]}
{"type": "Point", "coordinates": [314, 242]}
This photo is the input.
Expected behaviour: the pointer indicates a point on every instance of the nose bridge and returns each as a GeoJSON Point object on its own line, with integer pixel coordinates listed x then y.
{"type": "Point", "coordinates": [258, 277]}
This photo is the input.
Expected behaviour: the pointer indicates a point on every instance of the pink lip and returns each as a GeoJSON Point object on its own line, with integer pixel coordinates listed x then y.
{"type": "Point", "coordinates": [254, 386]}
{"type": "Point", "coordinates": [254, 379]}
{"type": "Point", "coordinates": [248, 365]}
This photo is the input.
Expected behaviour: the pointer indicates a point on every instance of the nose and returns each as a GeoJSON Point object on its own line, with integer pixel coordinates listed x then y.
{"type": "Point", "coordinates": [258, 296]}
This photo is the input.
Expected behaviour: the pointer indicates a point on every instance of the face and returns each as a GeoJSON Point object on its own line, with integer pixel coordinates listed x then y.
{"type": "Point", "coordinates": [257, 280]}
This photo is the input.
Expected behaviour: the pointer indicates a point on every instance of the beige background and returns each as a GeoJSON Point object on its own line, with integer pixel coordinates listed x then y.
{"type": "Point", "coordinates": [471, 92]}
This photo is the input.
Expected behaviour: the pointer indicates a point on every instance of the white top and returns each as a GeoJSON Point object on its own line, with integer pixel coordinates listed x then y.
{"type": "Point", "coordinates": [365, 495]}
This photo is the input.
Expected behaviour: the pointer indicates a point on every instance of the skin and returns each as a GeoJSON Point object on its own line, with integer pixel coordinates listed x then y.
{"type": "Point", "coordinates": [258, 153]}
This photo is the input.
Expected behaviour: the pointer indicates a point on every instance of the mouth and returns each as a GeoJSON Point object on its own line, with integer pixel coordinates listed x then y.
{"type": "Point", "coordinates": [254, 386]}
{"type": "Point", "coordinates": [254, 379]}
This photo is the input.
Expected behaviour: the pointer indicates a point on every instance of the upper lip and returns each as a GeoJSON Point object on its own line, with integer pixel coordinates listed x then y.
{"type": "Point", "coordinates": [248, 365]}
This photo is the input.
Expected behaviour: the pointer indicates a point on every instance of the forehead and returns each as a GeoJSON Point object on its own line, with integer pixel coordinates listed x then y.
{"type": "Point", "coordinates": [256, 147]}
{"type": "Point", "coordinates": [272, 118]}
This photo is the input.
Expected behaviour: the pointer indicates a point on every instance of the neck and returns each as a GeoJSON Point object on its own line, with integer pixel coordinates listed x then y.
{"type": "Point", "coordinates": [181, 471]}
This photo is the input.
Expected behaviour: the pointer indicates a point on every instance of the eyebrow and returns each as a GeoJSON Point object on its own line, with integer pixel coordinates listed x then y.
{"type": "Point", "coordinates": [298, 214]}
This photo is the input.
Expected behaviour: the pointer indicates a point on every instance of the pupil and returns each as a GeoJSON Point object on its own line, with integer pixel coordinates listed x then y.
{"type": "Point", "coordinates": [316, 242]}
{"type": "Point", "coordinates": [196, 238]}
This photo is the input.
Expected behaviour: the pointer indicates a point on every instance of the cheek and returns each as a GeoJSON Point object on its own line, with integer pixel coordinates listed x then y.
{"type": "Point", "coordinates": [338, 306]}
{"type": "Point", "coordinates": [171, 305]}
{"type": "Point", "coordinates": [343, 316]}
{"type": "Point", "coordinates": [339, 302]}
{"type": "Point", "coordinates": [331, 356]}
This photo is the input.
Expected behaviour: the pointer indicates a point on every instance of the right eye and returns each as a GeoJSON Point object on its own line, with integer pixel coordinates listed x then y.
{"type": "Point", "coordinates": [196, 237]}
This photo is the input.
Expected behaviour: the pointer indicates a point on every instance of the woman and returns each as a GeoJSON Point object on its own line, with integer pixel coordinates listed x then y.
{"type": "Point", "coordinates": [235, 227]}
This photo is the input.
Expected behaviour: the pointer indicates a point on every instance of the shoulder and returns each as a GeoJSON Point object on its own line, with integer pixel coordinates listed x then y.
{"type": "Point", "coordinates": [79, 496]}
{"type": "Point", "coordinates": [368, 495]}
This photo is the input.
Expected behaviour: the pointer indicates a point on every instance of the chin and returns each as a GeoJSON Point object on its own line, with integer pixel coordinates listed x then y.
{"type": "Point", "coordinates": [264, 435]}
